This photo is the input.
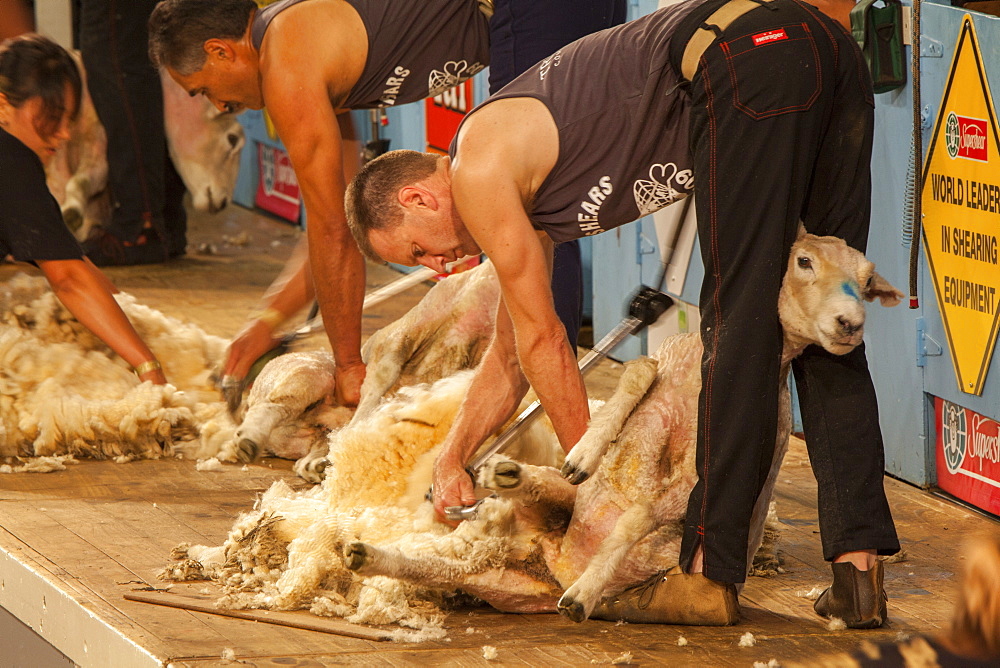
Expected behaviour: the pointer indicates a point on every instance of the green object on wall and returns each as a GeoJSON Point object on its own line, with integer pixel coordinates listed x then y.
{"type": "Point", "coordinates": [877, 26]}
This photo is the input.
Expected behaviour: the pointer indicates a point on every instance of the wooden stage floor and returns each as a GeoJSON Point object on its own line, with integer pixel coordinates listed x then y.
{"type": "Point", "coordinates": [74, 542]}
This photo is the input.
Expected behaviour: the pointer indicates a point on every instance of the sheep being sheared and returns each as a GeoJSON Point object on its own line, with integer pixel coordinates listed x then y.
{"type": "Point", "coordinates": [286, 553]}
{"type": "Point", "coordinates": [56, 402]}
{"type": "Point", "coordinates": [636, 465]}
{"type": "Point", "coordinates": [446, 332]}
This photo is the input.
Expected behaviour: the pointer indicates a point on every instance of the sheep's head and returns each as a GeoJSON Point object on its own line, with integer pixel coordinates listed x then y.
{"type": "Point", "coordinates": [823, 294]}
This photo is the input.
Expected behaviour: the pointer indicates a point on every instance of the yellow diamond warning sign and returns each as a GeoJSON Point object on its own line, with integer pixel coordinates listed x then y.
{"type": "Point", "coordinates": [961, 205]}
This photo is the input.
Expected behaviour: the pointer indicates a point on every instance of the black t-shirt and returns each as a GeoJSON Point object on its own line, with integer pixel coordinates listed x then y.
{"type": "Point", "coordinates": [31, 225]}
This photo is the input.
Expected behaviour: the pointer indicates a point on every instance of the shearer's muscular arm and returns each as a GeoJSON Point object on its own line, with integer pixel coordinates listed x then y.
{"type": "Point", "coordinates": [493, 396]}
{"type": "Point", "coordinates": [307, 68]}
{"type": "Point", "coordinates": [293, 289]}
{"type": "Point", "coordinates": [496, 173]}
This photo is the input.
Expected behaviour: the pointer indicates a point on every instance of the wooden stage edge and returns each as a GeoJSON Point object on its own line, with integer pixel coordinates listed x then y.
{"type": "Point", "coordinates": [75, 543]}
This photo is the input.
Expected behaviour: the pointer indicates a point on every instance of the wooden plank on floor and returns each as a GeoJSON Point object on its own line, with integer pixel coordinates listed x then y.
{"type": "Point", "coordinates": [298, 620]}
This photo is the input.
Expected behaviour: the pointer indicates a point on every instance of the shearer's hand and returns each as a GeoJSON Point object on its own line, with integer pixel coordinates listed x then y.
{"type": "Point", "coordinates": [348, 380]}
{"type": "Point", "coordinates": [452, 487]}
{"type": "Point", "coordinates": [255, 339]}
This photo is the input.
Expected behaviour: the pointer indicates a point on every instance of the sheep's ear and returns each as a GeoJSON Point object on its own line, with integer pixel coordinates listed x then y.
{"type": "Point", "coordinates": [883, 290]}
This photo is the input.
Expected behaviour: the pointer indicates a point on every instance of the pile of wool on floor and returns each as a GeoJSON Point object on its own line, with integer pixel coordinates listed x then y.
{"type": "Point", "coordinates": [286, 553]}
{"type": "Point", "coordinates": [64, 392]}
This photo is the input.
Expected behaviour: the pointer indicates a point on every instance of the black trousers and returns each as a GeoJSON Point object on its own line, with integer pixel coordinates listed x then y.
{"type": "Point", "coordinates": [125, 88]}
{"type": "Point", "coordinates": [522, 32]}
{"type": "Point", "coordinates": [779, 134]}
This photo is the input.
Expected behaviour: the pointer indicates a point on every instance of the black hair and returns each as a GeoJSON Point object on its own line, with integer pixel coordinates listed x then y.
{"type": "Point", "coordinates": [32, 65]}
{"type": "Point", "coordinates": [179, 28]}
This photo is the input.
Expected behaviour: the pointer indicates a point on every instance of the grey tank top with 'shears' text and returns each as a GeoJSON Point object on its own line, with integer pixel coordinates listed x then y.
{"type": "Point", "coordinates": [622, 122]}
{"type": "Point", "coordinates": [416, 48]}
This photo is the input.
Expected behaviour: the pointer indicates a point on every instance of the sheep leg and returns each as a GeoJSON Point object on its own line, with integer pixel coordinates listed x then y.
{"type": "Point", "coordinates": [583, 460]}
{"type": "Point", "coordinates": [504, 585]}
{"type": "Point", "coordinates": [383, 371]}
{"type": "Point", "coordinates": [584, 595]}
{"type": "Point", "coordinates": [527, 484]}
{"type": "Point", "coordinates": [312, 467]}
{"type": "Point", "coordinates": [254, 432]}
{"type": "Point", "coordinates": [425, 568]}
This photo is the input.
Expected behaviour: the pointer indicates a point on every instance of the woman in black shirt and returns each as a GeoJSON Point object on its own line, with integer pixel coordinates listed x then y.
{"type": "Point", "coordinates": [39, 96]}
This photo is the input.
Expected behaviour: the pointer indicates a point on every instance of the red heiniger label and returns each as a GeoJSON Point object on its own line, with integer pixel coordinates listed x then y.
{"type": "Point", "coordinates": [769, 36]}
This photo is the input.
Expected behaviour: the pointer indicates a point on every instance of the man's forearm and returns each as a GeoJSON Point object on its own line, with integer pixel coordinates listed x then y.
{"type": "Point", "coordinates": [338, 273]}
{"type": "Point", "coordinates": [554, 375]}
{"type": "Point", "coordinates": [292, 290]}
{"type": "Point", "coordinates": [496, 390]}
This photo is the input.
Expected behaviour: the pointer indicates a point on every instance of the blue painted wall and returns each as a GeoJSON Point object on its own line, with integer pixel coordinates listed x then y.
{"type": "Point", "coordinates": [905, 389]}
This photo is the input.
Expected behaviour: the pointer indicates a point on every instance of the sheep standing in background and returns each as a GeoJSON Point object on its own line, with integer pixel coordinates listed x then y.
{"type": "Point", "coordinates": [204, 146]}
{"type": "Point", "coordinates": [636, 465]}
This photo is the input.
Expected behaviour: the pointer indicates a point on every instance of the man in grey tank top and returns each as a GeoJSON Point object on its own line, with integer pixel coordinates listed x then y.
{"type": "Point", "coordinates": [774, 101]}
{"type": "Point", "coordinates": [308, 61]}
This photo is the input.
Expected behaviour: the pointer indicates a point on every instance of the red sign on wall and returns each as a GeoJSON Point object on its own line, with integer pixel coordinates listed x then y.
{"type": "Point", "coordinates": [968, 455]}
{"type": "Point", "coordinates": [277, 186]}
{"type": "Point", "coordinates": [444, 113]}
{"type": "Point", "coordinates": [972, 138]}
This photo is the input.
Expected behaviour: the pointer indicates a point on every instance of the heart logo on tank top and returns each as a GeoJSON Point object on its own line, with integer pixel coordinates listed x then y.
{"type": "Point", "coordinates": [662, 187]}
{"type": "Point", "coordinates": [453, 73]}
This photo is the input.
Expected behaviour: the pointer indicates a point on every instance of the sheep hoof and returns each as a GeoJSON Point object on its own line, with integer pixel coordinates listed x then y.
{"type": "Point", "coordinates": [318, 469]}
{"type": "Point", "coordinates": [73, 217]}
{"type": "Point", "coordinates": [506, 475]}
{"type": "Point", "coordinates": [247, 450]}
{"type": "Point", "coordinates": [355, 556]}
{"type": "Point", "coordinates": [311, 468]}
{"type": "Point", "coordinates": [571, 610]}
{"type": "Point", "coordinates": [574, 475]}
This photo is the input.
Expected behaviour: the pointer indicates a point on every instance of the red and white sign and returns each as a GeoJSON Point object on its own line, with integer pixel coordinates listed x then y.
{"type": "Point", "coordinates": [769, 36]}
{"type": "Point", "coordinates": [277, 186]}
{"type": "Point", "coordinates": [968, 455]}
{"type": "Point", "coordinates": [445, 112]}
{"type": "Point", "coordinates": [972, 138]}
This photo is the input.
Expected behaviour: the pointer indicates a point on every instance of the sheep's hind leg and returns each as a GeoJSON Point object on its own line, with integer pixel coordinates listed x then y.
{"type": "Point", "coordinates": [312, 467]}
{"type": "Point", "coordinates": [526, 484]}
{"type": "Point", "coordinates": [583, 460]}
{"type": "Point", "coordinates": [253, 434]}
{"type": "Point", "coordinates": [584, 595]}
{"type": "Point", "coordinates": [425, 569]}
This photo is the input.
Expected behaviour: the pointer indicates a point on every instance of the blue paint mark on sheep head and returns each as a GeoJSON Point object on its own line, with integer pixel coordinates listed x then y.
{"type": "Point", "coordinates": [850, 289]}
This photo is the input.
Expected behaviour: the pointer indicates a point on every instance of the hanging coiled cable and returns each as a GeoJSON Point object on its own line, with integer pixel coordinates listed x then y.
{"type": "Point", "coordinates": [912, 212]}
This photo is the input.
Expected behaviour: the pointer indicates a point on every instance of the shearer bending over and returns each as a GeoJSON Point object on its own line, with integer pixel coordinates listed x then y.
{"type": "Point", "coordinates": [307, 62]}
{"type": "Point", "coordinates": [771, 108]}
